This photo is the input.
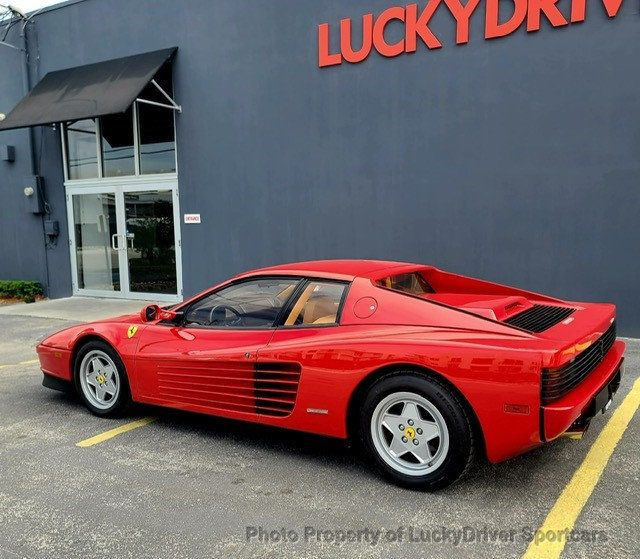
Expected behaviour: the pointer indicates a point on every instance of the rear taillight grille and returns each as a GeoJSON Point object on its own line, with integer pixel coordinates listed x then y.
{"type": "Point", "coordinates": [556, 383]}
{"type": "Point", "coordinates": [539, 317]}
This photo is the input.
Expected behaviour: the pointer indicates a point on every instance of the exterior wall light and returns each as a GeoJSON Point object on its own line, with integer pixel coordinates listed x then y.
{"type": "Point", "coordinates": [28, 191]}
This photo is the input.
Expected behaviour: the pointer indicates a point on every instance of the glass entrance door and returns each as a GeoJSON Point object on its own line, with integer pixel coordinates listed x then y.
{"type": "Point", "coordinates": [150, 242]}
{"type": "Point", "coordinates": [95, 230]}
{"type": "Point", "coordinates": [125, 241]}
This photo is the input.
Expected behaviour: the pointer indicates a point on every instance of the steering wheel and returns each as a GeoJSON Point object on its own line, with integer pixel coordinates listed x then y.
{"type": "Point", "coordinates": [222, 310]}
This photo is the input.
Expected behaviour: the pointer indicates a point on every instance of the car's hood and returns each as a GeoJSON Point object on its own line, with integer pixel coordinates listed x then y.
{"type": "Point", "coordinates": [65, 338]}
{"type": "Point", "coordinates": [129, 318]}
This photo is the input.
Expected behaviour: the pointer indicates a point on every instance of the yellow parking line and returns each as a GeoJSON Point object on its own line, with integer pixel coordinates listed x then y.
{"type": "Point", "coordinates": [552, 535]}
{"type": "Point", "coordinates": [115, 432]}
{"type": "Point", "coordinates": [29, 362]}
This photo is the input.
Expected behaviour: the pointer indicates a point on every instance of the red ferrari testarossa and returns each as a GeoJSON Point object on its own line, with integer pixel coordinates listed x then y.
{"type": "Point", "coordinates": [422, 367]}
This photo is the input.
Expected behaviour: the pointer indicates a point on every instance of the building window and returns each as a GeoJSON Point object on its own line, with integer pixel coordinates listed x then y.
{"type": "Point", "coordinates": [140, 141]}
{"type": "Point", "coordinates": [157, 141]}
{"type": "Point", "coordinates": [156, 129]}
{"type": "Point", "coordinates": [82, 150]}
{"type": "Point", "coordinates": [118, 150]}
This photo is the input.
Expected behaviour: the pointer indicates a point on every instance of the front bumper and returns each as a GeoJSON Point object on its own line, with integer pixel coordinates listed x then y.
{"type": "Point", "coordinates": [56, 383]}
{"type": "Point", "coordinates": [584, 400]}
{"type": "Point", "coordinates": [55, 361]}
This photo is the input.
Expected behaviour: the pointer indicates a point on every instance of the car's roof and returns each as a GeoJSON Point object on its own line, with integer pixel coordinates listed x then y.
{"type": "Point", "coordinates": [339, 268]}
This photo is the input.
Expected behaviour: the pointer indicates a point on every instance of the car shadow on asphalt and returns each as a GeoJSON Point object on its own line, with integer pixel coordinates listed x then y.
{"type": "Point", "coordinates": [507, 476]}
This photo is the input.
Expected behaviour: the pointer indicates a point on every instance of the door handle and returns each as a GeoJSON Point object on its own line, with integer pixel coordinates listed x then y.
{"type": "Point", "coordinates": [116, 245]}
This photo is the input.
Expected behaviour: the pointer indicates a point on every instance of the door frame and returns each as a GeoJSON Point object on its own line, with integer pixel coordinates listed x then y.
{"type": "Point", "coordinates": [119, 186]}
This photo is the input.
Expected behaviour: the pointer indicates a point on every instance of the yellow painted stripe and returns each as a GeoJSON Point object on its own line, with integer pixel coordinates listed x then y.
{"type": "Point", "coordinates": [30, 362]}
{"type": "Point", "coordinates": [115, 432]}
{"type": "Point", "coordinates": [567, 508]}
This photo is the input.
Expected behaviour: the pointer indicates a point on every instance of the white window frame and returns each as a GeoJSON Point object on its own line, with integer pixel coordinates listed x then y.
{"type": "Point", "coordinates": [119, 186]}
{"type": "Point", "coordinates": [136, 151]}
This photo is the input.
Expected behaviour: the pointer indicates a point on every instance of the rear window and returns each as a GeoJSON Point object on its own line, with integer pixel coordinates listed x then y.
{"type": "Point", "coordinates": [412, 283]}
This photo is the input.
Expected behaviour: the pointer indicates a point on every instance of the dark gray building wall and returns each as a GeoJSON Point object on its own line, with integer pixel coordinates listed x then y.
{"type": "Point", "coordinates": [21, 239]}
{"type": "Point", "coordinates": [516, 160]}
{"type": "Point", "coordinates": [24, 253]}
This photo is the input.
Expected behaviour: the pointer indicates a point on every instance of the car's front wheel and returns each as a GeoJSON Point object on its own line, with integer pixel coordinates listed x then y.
{"type": "Point", "coordinates": [101, 379]}
{"type": "Point", "coordinates": [417, 431]}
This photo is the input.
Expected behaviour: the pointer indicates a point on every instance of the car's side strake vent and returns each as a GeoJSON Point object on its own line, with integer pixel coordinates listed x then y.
{"type": "Point", "coordinates": [539, 317]}
{"type": "Point", "coordinates": [556, 383]}
{"type": "Point", "coordinates": [237, 386]}
{"type": "Point", "coordinates": [276, 387]}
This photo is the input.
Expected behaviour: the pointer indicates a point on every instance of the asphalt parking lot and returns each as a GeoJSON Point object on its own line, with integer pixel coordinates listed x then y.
{"type": "Point", "coordinates": [193, 486]}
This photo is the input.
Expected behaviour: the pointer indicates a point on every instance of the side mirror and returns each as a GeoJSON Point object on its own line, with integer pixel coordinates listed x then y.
{"type": "Point", "coordinates": [150, 313]}
{"type": "Point", "coordinates": [154, 312]}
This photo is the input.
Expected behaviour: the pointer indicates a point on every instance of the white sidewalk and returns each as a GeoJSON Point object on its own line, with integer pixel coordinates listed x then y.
{"type": "Point", "coordinates": [77, 309]}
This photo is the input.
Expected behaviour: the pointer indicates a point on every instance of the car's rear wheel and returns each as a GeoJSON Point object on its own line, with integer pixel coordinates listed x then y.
{"type": "Point", "coordinates": [101, 379]}
{"type": "Point", "coordinates": [417, 431]}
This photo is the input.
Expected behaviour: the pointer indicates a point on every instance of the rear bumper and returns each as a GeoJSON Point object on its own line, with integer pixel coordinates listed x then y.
{"type": "Point", "coordinates": [558, 417]}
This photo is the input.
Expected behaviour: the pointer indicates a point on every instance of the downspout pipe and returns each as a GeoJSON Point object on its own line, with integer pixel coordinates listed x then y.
{"type": "Point", "coordinates": [26, 87]}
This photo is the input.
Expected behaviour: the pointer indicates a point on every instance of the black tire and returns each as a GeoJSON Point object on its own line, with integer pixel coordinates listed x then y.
{"type": "Point", "coordinates": [460, 448]}
{"type": "Point", "coordinates": [123, 399]}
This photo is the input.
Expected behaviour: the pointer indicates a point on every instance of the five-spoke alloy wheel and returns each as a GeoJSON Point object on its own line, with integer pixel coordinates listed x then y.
{"type": "Point", "coordinates": [417, 430]}
{"type": "Point", "coordinates": [409, 433]}
{"type": "Point", "coordinates": [101, 379]}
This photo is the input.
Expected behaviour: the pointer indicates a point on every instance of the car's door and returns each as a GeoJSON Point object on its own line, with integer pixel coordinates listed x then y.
{"type": "Point", "coordinates": [308, 341]}
{"type": "Point", "coordinates": [205, 361]}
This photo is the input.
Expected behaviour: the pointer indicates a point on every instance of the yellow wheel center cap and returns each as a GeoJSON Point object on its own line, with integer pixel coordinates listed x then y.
{"type": "Point", "coordinates": [410, 433]}
{"type": "Point", "coordinates": [101, 379]}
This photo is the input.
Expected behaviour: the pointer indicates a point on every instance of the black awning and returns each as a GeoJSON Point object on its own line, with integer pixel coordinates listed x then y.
{"type": "Point", "coordinates": [87, 91]}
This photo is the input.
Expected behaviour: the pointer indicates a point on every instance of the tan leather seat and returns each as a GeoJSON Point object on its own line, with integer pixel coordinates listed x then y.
{"type": "Point", "coordinates": [329, 319]}
{"type": "Point", "coordinates": [320, 310]}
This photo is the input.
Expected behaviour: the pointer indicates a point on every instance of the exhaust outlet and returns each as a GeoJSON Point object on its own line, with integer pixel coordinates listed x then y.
{"type": "Point", "coordinates": [577, 430]}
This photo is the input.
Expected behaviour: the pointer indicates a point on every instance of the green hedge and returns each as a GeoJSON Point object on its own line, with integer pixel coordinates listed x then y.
{"type": "Point", "coordinates": [20, 289]}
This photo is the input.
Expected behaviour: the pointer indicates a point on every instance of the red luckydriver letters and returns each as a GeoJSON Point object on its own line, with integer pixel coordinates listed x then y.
{"type": "Point", "coordinates": [416, 23]}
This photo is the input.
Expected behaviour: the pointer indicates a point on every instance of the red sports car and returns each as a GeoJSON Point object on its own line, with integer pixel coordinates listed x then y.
{"type": "Point", "coordinates": [423, 368]}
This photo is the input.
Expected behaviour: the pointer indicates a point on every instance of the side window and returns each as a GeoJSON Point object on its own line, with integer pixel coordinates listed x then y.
{"type": "Point", "coordinates": [250, 304]}
{"type": "Point", "coordinates": [319, 303]}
